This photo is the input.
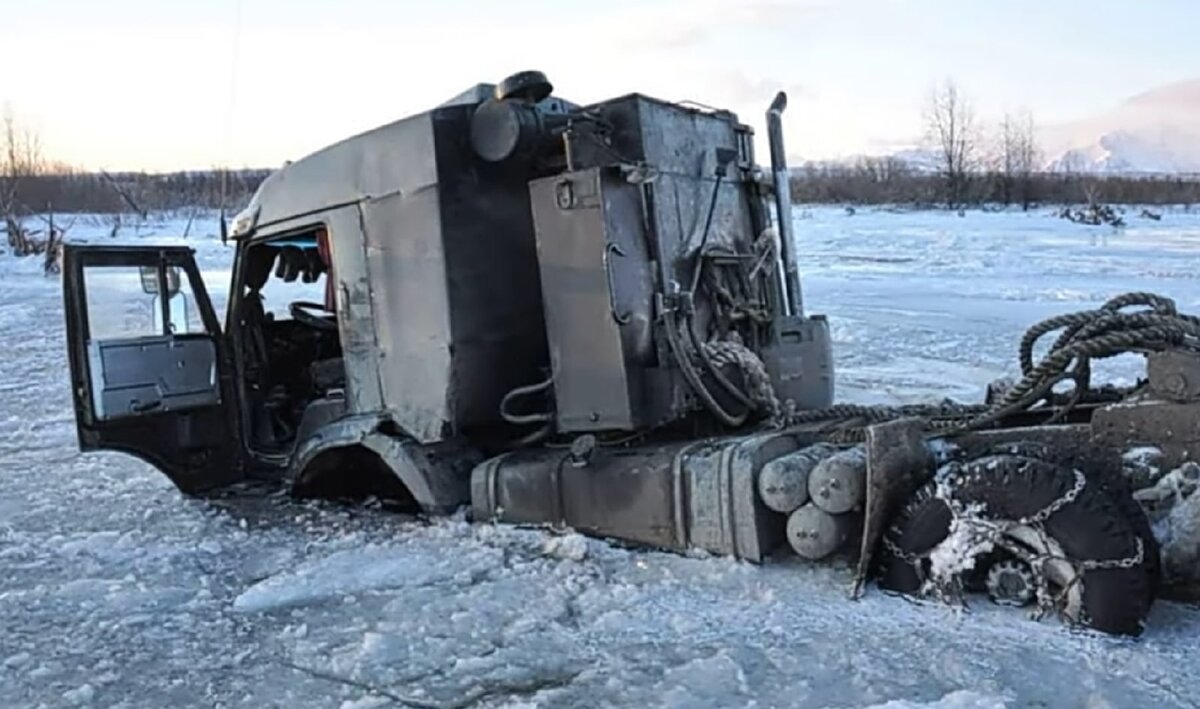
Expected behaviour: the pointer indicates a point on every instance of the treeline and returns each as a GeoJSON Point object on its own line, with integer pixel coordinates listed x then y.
{"type": "Point", "coordinates": [892, 181]}
{"type": "Point", "coordinates": [869, 181]}
{"type": "Point", "coordinates": [138, 192]}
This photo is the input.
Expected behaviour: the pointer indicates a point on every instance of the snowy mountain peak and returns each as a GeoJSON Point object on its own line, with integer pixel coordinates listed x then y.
{"type": "Point", "coordinates": [1157, 131]}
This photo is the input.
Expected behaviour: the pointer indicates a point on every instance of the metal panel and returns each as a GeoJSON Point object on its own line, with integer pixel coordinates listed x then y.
{"type": "Point", "coordinates": [356, 310]}
{"type": "Point", "coordinates": [437, 280]}
{"type": "Point", "coordinates": [577, 254]}
{"type": "Point", "coordinates": [411, 310]}
{"type": "Point", "coordinates": [495, 298]}
{"type": "Point", "coordinates": [898, 462]}
{"type": "Point", "coordinates": [679, 496]}
{"type": "Point", "coordinates": [680, 145]}
{"type": "Point", "coordinates": [159, 374]}
{"type": "Point", "coordinates": [800, 362]}
{"type": "Point", "coordinates": [1170, 426]}
{"type": "Point", "coordinates": [1174, 375]}
{"type": "Point", "coordinates": [724, 512]}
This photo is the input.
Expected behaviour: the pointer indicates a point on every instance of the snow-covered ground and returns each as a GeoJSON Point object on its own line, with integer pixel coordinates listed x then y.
{"type": "Point", "coordinates": [117, 591]}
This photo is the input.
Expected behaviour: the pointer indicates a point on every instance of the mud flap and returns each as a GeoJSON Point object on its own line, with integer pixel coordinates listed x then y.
{"type": "Point", "coordinates": [898, 462]}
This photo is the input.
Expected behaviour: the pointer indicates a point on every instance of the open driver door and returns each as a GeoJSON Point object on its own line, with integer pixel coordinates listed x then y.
{"type": "Point", "coordinates": [150, 371]}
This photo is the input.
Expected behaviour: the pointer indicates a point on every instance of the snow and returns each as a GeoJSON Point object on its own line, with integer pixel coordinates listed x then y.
{"type": "Point", "coordinates": [117, 591]}
{"type": "Point", "coordinates": [1142, 465]}
{"type": "Point", "coordinates": [964, 699]}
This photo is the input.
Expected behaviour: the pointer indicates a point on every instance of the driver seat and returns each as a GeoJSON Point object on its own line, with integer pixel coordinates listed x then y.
{"type": "Point", "coordinates": [328, 375]}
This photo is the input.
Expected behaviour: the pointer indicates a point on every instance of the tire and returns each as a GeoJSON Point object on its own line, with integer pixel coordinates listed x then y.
{"type": "Point", "coordinates": [1119, 491]}
{"type": "Point", "coordinates": [918, 528]}
{"type": "Point", "coordinates": [1012, 487]}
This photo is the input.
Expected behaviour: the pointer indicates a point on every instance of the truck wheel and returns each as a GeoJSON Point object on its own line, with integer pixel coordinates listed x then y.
{"type": "Point", "coordinates": [1119, 491]}
{"type": "Point", "coordinates": [920, 526]}
{"type": "Point", "coordinates": [1088, 547]}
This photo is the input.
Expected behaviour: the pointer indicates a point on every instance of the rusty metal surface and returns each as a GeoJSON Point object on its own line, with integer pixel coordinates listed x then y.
{"type": "Point", "coordinates": [1172, 427]}
{"type": "Point", "coordinates": [437, 292]}
{"type": "Point", "coordinates": [724, 512]}
{"type": "Point", "coordinates": [898, 461]}
{"type": "Point", "coordinates": [598, 290]}
{"type": "Point", "coordinates": [437, 476]}
{"type": "Point", "coordinates": [801, 362]}
{"type": "Point", "coordinates": [1174, 376]}
{"type": "Point", "coordinates": [624, 494]}
{"type": "Point", "coordinates": [679, 496]}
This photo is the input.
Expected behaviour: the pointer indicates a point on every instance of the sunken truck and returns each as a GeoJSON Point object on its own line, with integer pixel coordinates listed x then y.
{"type": "Point", "coordinates": [590, 316]}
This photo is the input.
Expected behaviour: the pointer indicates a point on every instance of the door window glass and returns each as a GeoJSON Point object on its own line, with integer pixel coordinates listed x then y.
{"type": "Point", "coordinates": [118, 307]}
{"type": "Point", "coordinates": [184, 316]}
{"type": "Point", "coordinates": [124, 302]}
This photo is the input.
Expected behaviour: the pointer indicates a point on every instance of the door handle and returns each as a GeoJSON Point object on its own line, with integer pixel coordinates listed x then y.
{"type": "Point", "coordinates": [141, 407]}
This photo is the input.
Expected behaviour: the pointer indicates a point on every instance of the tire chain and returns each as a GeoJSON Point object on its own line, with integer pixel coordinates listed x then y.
{"type": "Point", "coordinates": [1040, 517]}
{"type": "Point", "coordinates": [1046, 601]}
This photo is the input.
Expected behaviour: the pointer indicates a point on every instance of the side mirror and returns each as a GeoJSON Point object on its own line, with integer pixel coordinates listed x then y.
{"type": "Point", "coordinates": [150, 280]}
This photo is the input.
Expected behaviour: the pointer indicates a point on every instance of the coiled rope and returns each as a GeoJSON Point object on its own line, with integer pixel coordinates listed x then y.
{"type": "Point", "coordinates": [1113, 329]}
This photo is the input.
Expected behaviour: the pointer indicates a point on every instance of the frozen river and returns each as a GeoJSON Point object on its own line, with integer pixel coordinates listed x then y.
{"type": "Point", "coordinates": [116, 591]}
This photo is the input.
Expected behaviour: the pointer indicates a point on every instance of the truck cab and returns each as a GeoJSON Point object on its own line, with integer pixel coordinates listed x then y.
{"type": "Point", "coordinates": [505, 270]}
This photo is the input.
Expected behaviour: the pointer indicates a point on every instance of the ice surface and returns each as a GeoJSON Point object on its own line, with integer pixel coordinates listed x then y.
{"type": "Point", "coordinates": [963, 699]}
{"type": "Point", "coordinates": [116, 591]}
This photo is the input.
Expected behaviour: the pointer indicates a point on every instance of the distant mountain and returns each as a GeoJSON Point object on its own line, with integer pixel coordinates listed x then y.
{"type": "Point", "coordinates": [1154, 132]}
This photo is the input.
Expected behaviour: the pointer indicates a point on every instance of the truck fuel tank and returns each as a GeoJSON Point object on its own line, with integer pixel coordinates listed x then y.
{"type": "Point", "coordinates": [713, 494]}
{"type": "Point", "coordinates": [678, 496]}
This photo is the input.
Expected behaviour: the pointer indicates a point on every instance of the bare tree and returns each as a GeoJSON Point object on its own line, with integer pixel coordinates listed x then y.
{"type": "Point", "coordinates": [126, 195]}
{"type": "Point", "coordinates": [1018, 159]}
{"type": "Point", "coordinates": [21, 159]}
{"type": "Point", "coordinates": [951, 128]}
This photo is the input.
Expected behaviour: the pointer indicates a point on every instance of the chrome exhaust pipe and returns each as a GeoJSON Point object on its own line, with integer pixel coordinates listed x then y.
{"type": "Point", "coordinates": [794, 304]}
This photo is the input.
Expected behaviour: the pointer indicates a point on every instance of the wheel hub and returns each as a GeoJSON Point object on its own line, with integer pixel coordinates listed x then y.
{"type": "Point", "coordinates": [1011, 583]}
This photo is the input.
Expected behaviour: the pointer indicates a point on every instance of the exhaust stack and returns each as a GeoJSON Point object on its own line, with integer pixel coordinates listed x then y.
{"type": "Point", "coordinates": [783, 206]}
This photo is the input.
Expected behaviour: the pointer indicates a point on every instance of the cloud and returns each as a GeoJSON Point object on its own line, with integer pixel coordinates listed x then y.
{"type": "Point", "coordinates": [682, 24]}
{"type": "Point", "coordinates": [737, 88]}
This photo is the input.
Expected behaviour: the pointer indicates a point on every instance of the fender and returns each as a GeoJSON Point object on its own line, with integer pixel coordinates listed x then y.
{"type": "Point", "coordinates": [438, 475]}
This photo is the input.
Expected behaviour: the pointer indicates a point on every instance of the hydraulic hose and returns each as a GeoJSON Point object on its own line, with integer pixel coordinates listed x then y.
{"type": "Point", "coordinates": [522, 419]}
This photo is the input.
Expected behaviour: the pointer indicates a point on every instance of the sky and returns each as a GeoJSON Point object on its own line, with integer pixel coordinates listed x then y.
{"type": "Point", "coordinates": [175, 84]}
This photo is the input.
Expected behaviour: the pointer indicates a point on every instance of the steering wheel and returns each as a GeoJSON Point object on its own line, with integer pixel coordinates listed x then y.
{"type": "Point", "coordinates": [303, 313]}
